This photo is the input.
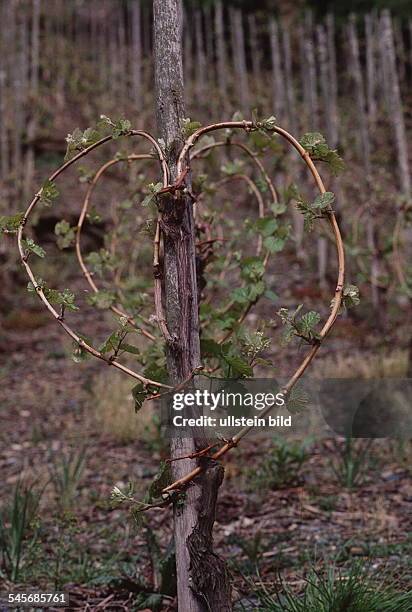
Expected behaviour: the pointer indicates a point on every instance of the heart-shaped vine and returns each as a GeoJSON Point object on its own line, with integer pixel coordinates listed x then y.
{"type": "Point", "coordinates": [187, 154]}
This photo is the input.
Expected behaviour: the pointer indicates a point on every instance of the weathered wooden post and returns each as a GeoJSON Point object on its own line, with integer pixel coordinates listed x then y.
{"type": "Point", "coordinates": [202, 579]}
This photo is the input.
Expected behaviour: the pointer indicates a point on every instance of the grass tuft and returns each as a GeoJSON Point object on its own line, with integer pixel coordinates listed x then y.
{"type": "Point", "coordinates": [280, 467]}
{"type": "Point", "coordinates": [18, 533]}
{"type": "Point", "coordinates": [335, 592]}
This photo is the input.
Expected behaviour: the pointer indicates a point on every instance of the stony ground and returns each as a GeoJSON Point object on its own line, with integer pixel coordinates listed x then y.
{"type": "Point", "coordinates": [95, 553]}
{"type": "Point", "coordinates": [60, 435]}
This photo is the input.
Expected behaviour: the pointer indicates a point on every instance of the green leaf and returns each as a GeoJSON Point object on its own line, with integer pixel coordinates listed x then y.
{"type": "Point", "coordinates": [264, 124]}
{"type": "Point", "coordinates": [139, 394]}
{"type": "Point", "coordinates": [252, 268]}
{"type": "Point", "coordinates": [249, 294]}
{"type": "Point", "coordinates": [256, 290]}
{"type": "Point", "coordinates": [162, 479]}
{"type": "Point", "coordinates": [311, 139]}
{"type": "Point", "coordinates": [121, 128]}
{"type": "Point", "coordinates": [64, 298]}
{"type": "Point", "coordinates": [263, 362]}
{"type": "Point", "coordinates": [288, 333]}
{"type": "Point", "coordinates": [315, 144]}
{"type": "Point", "coordinates": [303, 327]}
{"type": "Point", "coordinates": [79, 141]}
{"type": "Point", "coordinates": [102, 300]}
{"type": "Point", "coordinates": [90, 136]}
{"type": "Point", "coordinates": [111, 343]}
{"type": "Point", "coordinates": [65, 234]}
{"type": "Point", "coordinates": [40, 283]}
{"type": "Point", "coordinates": [229, 321]}
{"type": "Point", "coordinates": [117, 128]}
{"type": "Point", "coordinates": [101, 261]}
{"type": "Point", "coordinates": [310, 319]}
{"type": "Point", "coordinates": [274, 244]}
{"type": "Point", "coordinates": [67, 298]}
{"type": "Point", "coordinates": [308, 215]}
{"type": "Point", "coordinates": [129, 348]}
{"type": "Point", "coordinates": [190, 127]}
{"type": "Point", "coordinates": [253, 343]}
{"type": "Point", "coordinates": [241, 295]}
{"type": "Point", "coordinates": [10, 225]}
{"type": "Point", "coordinates": [126, 326]}
{"type": "Point", "coordinates": [233, 167]}
{"type": "Point", "coordinates": [297, 401]}
{"type": "Point", "coordinates": [48, 193]}
{"type": "Point", "coordinates": [238, 365]}
{"type": "Point", "coordinates": [324, 200]}
{"type": "Point", "coordinates": [31, 246]}
{"type": "Point", "coordinates": [351, 296]}
{"type": "Point", "coordinates": [62, 227]}
{"type": "Point", "coordinates": [74, 143]}
{"type": "Point", "coordinates": [336, 163]}
{"type": "Point", "coordinates": [261, 184]}
{"type": "Point", "coordinates": [316, 210]}
{"type": "Point", "coordinates": [278, 208]}
{"type": "Point", "coordinates": [267, 226]}
{"type": "Point", "coordinates": [308, 323]}
{"type": "Point", "coordinates": [153, 189]}
{"type": "Point", "coordinates": [269, 123]}
{"type": "Point", "coordinates": [260, 141]}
